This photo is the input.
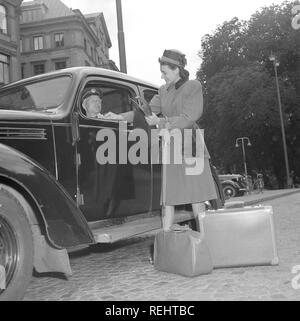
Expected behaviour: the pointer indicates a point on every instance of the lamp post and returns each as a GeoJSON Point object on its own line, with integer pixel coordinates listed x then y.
{"type": "Point", "coordinates": [276, 64]}
{"type": "Point", "coordinates": [242, 139]}
{"type": "Point", "coordinates": [121, 38]}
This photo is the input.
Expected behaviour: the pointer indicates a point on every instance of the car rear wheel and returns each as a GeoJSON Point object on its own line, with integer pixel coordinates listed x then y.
{"type": "Point", "coordinates": [16, 248]}
{"type": "Point", "coordinates": [229, 191]}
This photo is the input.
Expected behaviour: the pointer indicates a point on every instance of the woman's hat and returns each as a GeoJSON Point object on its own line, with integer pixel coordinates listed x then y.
{"type": "Point", "coordinates": [174, 57]}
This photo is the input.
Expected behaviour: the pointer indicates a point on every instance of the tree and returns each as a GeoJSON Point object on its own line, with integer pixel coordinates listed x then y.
{"type": "Point", "coordinates": [270, 31]}
{"type": "Point", "coordinates": [240, 93]}
{"type": "Point", "coordinates": [225, 48]}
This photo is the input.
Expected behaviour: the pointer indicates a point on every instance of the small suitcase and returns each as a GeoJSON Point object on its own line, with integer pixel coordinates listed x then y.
{"type": "Point", "coordinates": [240, 237]}
{"type": "Point", "coordinates": [181, 252]}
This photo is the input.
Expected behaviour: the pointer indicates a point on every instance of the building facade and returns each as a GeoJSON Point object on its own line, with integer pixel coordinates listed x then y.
{"type": "Point", "coordinates": [54, 36]}
{"type": "Point", "coordinates": [9, 41]}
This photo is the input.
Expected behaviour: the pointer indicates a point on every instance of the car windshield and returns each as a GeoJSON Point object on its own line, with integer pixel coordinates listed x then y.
{"type": "Point", "coordinates": [38, 96]}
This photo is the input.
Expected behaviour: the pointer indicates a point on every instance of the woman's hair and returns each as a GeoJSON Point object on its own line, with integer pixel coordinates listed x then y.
{"type": "Point", "coordinates": [183, 73]}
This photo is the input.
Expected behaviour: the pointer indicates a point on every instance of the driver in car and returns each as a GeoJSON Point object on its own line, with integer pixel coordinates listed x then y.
{"type": "Point", "coordinates": [92, 104]}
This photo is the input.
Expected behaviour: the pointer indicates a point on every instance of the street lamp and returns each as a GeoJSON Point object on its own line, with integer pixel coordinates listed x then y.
{"type": "Point", "coordinates": [276, 64]}
{"type": "Point", "coordinates": [242, 139]}
{"type": "Point", "coordinates": [121, 38]}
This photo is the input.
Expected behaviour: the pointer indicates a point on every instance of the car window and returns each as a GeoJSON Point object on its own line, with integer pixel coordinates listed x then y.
{"type": "Point", "coordinates": [115, 98]}
{"type": "Point", "coordinates": [38, 96]}
{"type": "Point", "coordinates": [148, 94]}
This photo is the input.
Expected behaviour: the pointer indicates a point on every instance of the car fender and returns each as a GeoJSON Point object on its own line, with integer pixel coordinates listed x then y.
{"type": "Point", "coordinates": [233, 184]}
{"type": "Point", "coordinates": [62, 223]}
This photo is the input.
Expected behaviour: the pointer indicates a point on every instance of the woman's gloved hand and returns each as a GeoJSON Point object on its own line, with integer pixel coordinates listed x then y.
{"type": "Point", "coordinates": [152, 120]}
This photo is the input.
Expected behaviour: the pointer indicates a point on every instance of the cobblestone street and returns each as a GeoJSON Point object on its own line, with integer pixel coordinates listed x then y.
{"type": "Point", "coordinates": [122, 271]}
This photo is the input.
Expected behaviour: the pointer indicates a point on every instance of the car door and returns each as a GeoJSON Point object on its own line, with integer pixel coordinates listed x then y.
{"type": "Point", "coordinates": [110, 190]}
{"type": "Point", "coordinates": [147, 94]}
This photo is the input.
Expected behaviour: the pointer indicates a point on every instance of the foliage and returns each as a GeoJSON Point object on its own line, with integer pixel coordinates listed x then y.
{"type": "Point", "coordinates": [240, 91]}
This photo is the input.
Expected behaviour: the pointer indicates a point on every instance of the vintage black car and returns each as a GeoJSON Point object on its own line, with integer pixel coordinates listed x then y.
{"type": "Point", "coordinates": [54, 195]}
{"type": "Point", "coordinates": [233, 185]}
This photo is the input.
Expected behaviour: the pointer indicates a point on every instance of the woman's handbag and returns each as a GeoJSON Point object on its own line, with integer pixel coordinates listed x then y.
{"type": "Point", "coordinates": [182, 251]}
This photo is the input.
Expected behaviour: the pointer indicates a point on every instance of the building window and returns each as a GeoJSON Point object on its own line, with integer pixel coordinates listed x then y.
{"type": "Point", "coordinates": [60, 65]}
{"type": "Point", "coordinates": [21, 45]}
{"type": "Point", "coordinates": [4, 69]}
{"type": "Point", "coordinates": [38, 43]}
{"type": "Point", "coordinates": [59, 40]}
{"type": "Point", "coordinates": [39, 69]}
{"type": "Point", "coordinates": [3, 20]}
{"type": "Point", "coordinates": [23, 71]}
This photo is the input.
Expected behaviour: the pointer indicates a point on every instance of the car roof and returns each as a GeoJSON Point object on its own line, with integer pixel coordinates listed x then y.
{"type": "Point", "coordinates": [85, 71]}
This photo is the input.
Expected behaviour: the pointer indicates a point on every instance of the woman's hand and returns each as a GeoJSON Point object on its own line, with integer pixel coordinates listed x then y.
{"type": "Point", "coordinates": [152, 120]}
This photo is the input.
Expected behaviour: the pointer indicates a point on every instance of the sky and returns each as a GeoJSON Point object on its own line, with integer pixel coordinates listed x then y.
{"type": "Point", "coordinates": [151, 26]}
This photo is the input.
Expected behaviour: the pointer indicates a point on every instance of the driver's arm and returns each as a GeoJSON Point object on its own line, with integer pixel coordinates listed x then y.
{"type": "Point", "coordinates": [128, 116]}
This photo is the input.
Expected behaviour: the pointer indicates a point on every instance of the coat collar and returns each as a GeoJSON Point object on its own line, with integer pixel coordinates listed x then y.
{"type": "Point", "coordinates": [178, 84]}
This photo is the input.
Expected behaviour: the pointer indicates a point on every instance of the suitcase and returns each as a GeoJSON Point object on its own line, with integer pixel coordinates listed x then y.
{"type": "Point", "coordinates": [240, 237]}
{"type": "Point", "coordinates": [181, 252]}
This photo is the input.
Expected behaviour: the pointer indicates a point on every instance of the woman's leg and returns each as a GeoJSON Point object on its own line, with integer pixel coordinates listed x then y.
{"type": "Point", "coordinates": [167, 217]}
{"type": "Point", "coordinates": [198, 209]}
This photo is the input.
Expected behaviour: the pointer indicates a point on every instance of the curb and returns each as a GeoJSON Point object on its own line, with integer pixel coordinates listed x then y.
{"type": "Point", "coordinates": [271, 197]}
{"type": "Point", "coordinates": [245, 203]}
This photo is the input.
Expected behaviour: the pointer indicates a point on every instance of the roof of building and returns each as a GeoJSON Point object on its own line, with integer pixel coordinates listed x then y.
{"type": "Point", "coordinates": [54, 9]}
{"type": "Point", "coordinates": [92, 15]}
{"type": "Point", "coordinates": [14, 2]}
{"type": "Point", "coordinates": [41, 10]}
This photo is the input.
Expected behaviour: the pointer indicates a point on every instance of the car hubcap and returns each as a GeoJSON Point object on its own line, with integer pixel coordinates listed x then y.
{"type": "Point", "coordinates": [229, 192]}
{"type": "Point", "coordinates": [8, 250]}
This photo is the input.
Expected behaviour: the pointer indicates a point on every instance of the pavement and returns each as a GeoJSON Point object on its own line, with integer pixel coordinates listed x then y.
{"type": "Point", "coordinates": [121, 271]}
{"type": "Point", "coordinates": [267, 195]}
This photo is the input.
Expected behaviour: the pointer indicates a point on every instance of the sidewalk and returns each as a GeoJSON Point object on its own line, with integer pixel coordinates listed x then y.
{"type": "Point", "coordinates": [121, 271]}
{"type": "Point", "coordinates": [267, 195]}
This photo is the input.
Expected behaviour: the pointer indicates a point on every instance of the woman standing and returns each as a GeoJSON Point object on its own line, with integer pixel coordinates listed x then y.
{"type": "Point", "coordinates": [180, 101]}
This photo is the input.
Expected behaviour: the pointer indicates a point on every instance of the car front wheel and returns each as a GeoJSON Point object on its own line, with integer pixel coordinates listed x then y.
{"type": "Point", "coordinates": [229, 191]}
{"type": "Point", "coordinates": [16, 247]}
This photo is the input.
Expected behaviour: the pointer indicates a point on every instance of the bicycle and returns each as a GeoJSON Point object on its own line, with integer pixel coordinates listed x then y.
{"type": "Point", "coordinates": [258, 183]}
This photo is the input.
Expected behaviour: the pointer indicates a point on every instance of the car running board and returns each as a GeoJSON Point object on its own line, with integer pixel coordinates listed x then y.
{"type": "Point", "coordinates": [140, 226]}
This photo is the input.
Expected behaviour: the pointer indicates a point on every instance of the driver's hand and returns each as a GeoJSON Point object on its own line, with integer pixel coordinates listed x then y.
{"type": "Point", "coordinates": [111, 115]}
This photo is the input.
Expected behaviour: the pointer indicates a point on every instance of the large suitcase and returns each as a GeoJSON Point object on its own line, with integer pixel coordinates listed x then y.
{"type": "Point", "coordinates": [181, 252]}
{"type": "Point", "coordinates": [240, 237]}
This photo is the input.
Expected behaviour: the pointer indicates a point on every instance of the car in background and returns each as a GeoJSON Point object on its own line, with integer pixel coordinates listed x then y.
{"type": "Point", "coordinates": [233, 185]}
